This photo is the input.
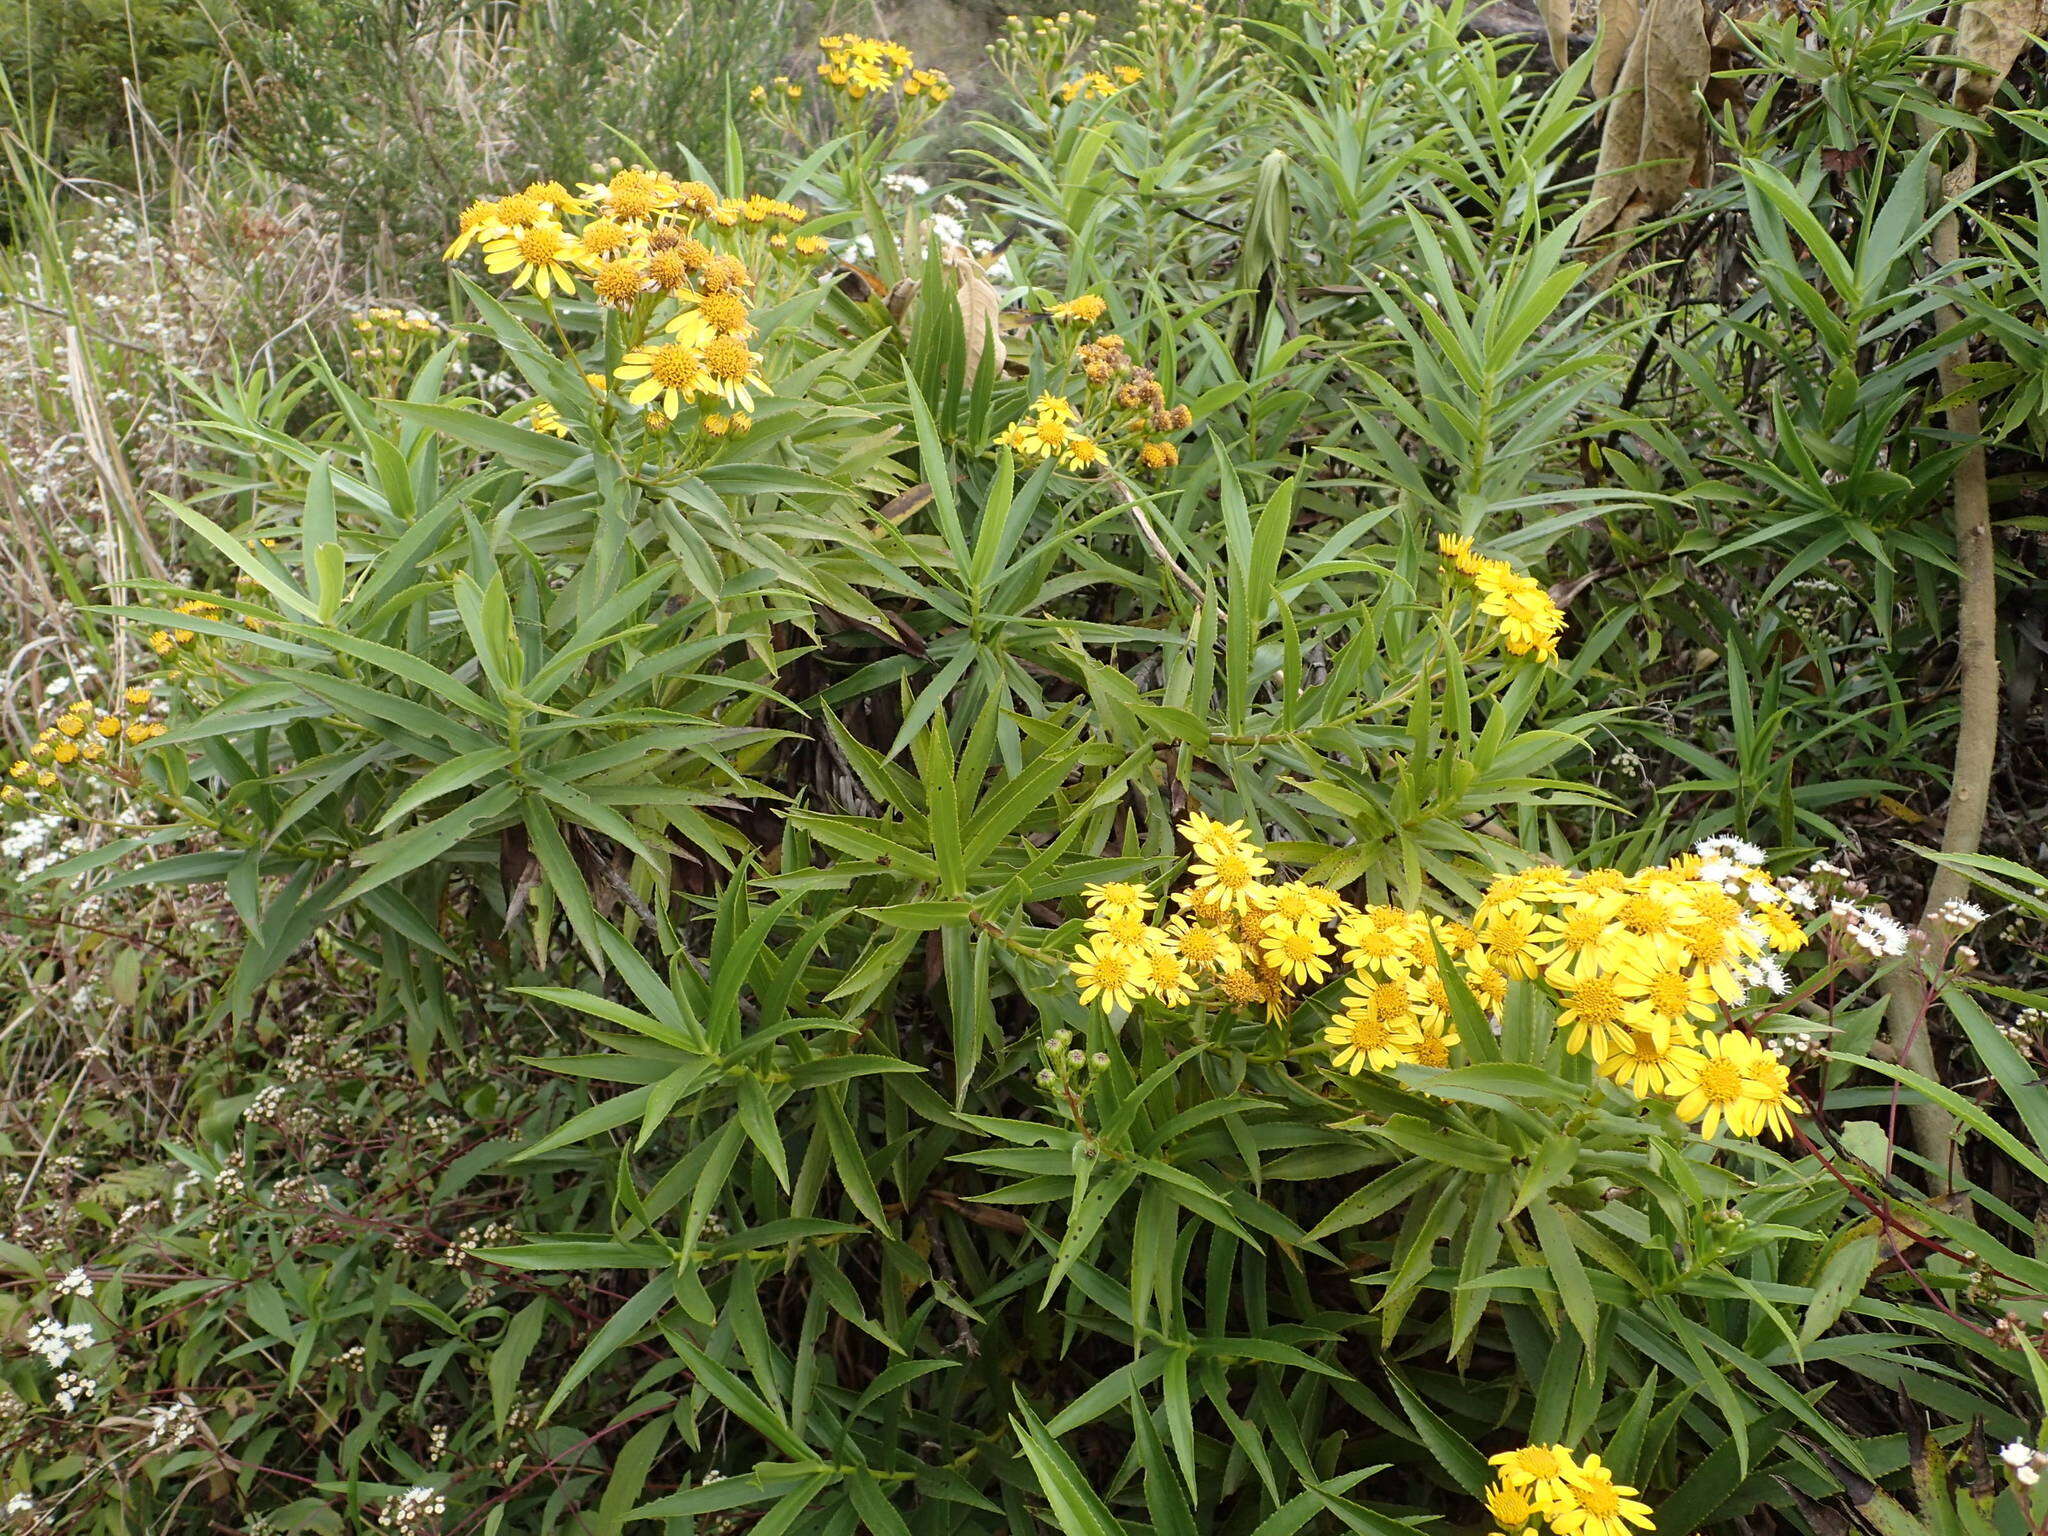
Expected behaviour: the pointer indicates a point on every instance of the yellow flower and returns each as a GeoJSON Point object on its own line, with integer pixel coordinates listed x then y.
{"type": "Point", "coordinates": [1228, 876]}
{"type": "Point", "coordinates": [1107, 970]}
{"type": "Point", "coordinates": [618, 283]}
{"type": "Point", "coordinates": [1595, 1012]}
{"type": "Point", "coordinates": [706, 315]}
{"type": "Point", "coordinates": [536, 256]}
{"type": "Point", "coordinates": [1086, 310]}
{"type": "Point", "coordinates": [1512, 1508]}
{"type": "Point", "coordinates": [734, 371]}
{"type": "Point", "coordinates": [1645, 1065]}
{"type": "Point", "coordinates": [1056, 407]}
{"type": "Point", "coordinates": [1596, 1505]}
{"type": "Point", "coordinates": [1156, 456]}
{"type": "Point", "coordinates": [1365, 1038]}
{"type": "Point", "coordinates": [1201, 947]}
{"type": "Point", "coordinates": [1781, 928]}
{"type": "Point", "coordinates": [633, 195]}
{"type": "Point", "coordinates": [1573, 941]}
{"type": "Point", "coordinates": [1662, 989]}
{"type": "Point", "coordinates": [1537, 1471]}
{"type": "Point", "coordinates": [472, 223]}
{"type": "Point", "coordinates": [1296, 950]}
{"type": "Point", "coordinates": [1772, 1102]}
{"type": "Point", "coordinates": [543, 417]}
{"type": "Point", "coordinates": [1083, 453]}
{"type": "Point", "coordinates": [811, 245]}
{"type": "Point", "coordinates": [672, 373]}
{"type": "Point", "coordinates": [1117, 898]}
{"type": "Point", "coordinates": [1713, 1084]}
{"type": "Point", "coordinates": [1431, 1046]}
{"type": "Point", "coordinates": [1166, 977]}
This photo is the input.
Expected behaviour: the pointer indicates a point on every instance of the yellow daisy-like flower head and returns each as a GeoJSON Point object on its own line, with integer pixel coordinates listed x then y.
{"type": "Point", "coordinates": [1512, 1508]}
{"type": "Point", "coordinates": [1203, 948]}
{"type": "Point", "coordinates": [1084, 310]}
{"type": "Point", "coordinates": [1594, 1011]}
{"type": "Point", "coordinates": [1228, 877]}
{"type": "Point", "coordinates": [671, 373]}
{"type": "Point", "coordinates": [712, 314]}
{"type": "Point", "coordinates": [1109, 972]}
{"type": "Point", "coordinates": [1663, 988]}
{"type": "Point", "coordinates": [1157, 456]}
{"type": "Point", "coordinates": [1714, 1084]}
{"type": "Point", "coordinates": [475, 220]}
{"type": "Point", "coordinates": [1166, 977]}
{"type": "Point", "coordinates": [1296, 951]}
{"type": "Point", "coordinates": [733, 370]}
{"type": "Point", "coordinates": [1539, 1472]}
{"type": "Point", "coordinates": [1118, 898]}
{"type": "Point", "coordinates": [1596, 1505]}
{"type": "Point", "coordinates": [543, 417]}
{"type": "Point", "coordinates": [537, 256]}
{"type": "Point", "coordinates": [1083, 454]}
{"type": "Point", "coordinates": [633, 195]}
{"type": "Point", "coordinates": [1772, 1103]}
{"type": "Point", "coordinates": [618, 283]}
{"type": "Point", "coordinates": [1645, 1065]}
{"type": "Point", "coordinates": [603, 239]}
{"type": "Point", "coordinates": [1363, 1038]}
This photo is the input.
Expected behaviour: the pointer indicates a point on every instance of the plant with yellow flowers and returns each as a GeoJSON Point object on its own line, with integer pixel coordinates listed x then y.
{"type": "Point", "coordinates": [1659, 979]}
{"type": "Point", "coordinates": [1528, 621]}
{"type": "Point", "coordinates": [1549, 1485]}
{"type": "Point", "coordinates": [674, 267]}
{"type": "Point", "coordinates": [86, 740]}
{"type": "Point", "coordinates": [1121, 413]}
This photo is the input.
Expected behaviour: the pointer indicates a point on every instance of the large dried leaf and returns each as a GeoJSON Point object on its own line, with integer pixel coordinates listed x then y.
{"type": "Point", "coordinates": [981, 310]}
{"type": "Point", "coordinates": [1655, 59]}
{"type": "Point", "coordinates": [1557, 26]}
{"type": "Point", "coordinates": [1992, 34]}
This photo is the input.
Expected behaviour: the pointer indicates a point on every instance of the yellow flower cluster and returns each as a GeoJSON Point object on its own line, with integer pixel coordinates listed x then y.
{"type": "Point", "coordinates": [1095, 85]}
{"type": "Point", "coordinates": [165, 641]}
{"type": "Point", "coordinates": [1574, 1495]}
{"type": "Point", "coordinates": [1641, 967]}
{"type": "Point", "coordinates": [781, 85]}
{"type": "Point", "coordinates": [1528, 621]}
{"type": "Point", "coordinates": [1120, 402]}
{"type": "Point", "coordinates": [649, 246]}
{"type": "Point", "coordinates": [84, 734]}
{"type": "Point", "coordinates": [871, 66]}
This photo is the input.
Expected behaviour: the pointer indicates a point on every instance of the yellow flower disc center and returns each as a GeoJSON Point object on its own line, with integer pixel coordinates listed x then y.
{"type": "Point", "coordinates": [1721, 1081]}
{"type": "Point", "coordinates": [727, 357]}
{"type": "Point", "coordinates": [673, 366]}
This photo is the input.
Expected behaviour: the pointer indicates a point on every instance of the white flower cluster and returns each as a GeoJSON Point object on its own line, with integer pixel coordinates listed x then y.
{"type": "Point", "coordinates": [415, 1511]}
{"type": "Point", "coordinates": [2026, 1462]}
{"type": "Point", "coordinates": [73, 1388]}
{"type": "Point", "coordinates": [57, 1342]}
{"type": "Point", "coordinates": [1959, 914]}
{"type": "Point", "coordinates": [18, 1504]}
{"type": "Point", "coordinates": [75, 1282]}
{"type": "Point", "coordinates": [166, 1426]}
{"type": "Point", "coordinates": [1876, 932]}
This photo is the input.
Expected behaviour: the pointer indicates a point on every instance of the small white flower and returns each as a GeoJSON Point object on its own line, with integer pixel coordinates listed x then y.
{"type": "Point", "coordinates": [2016, 1454]}
{"type": "Point", "coordinates": [19, 1504]}
{"type": "Point", "coordinates": [76, 1283]}
{"type": "Point", "coordinates": [2027, 1476]}
{"type": "Point", "coordinates": [1729, 847]}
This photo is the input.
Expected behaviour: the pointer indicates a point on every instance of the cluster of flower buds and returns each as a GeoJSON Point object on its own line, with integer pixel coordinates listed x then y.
{"type": "Point", "coordinates": [1068, 1068]}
